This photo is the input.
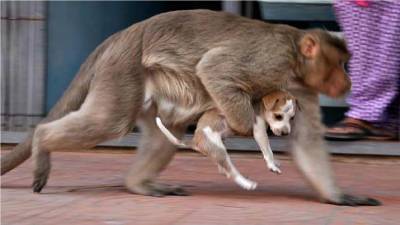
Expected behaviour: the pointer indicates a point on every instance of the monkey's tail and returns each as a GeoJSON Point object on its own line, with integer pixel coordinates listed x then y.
{"type": "Point", "coordinates": [169, 135]}
{"type": "Point", "coordinates": [72, 99]}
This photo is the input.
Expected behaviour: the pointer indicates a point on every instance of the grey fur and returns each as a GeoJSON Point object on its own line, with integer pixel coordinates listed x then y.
{"type": "Point", "coordinates": [192, 59]}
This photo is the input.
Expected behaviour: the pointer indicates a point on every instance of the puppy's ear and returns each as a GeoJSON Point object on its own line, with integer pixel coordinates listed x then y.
{"type": "Point", "coordinates": [296, 102]}
{"type": "Point", "coordinates": [297, 105]}
{"type": "Point", "coordinates": [269, 101]}
{"type": "Point", "coordinates": [289, 96]}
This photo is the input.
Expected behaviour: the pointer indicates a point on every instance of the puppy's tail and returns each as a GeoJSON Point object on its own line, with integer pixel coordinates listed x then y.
{"type": "Point", "coordinates": [169, 135]}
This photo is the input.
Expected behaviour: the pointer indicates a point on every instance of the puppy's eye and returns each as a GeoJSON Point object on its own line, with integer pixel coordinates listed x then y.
{"type": "Point", "coordinates": [278, 117]}
{"type": "Point", "coordinates": [292, 118]}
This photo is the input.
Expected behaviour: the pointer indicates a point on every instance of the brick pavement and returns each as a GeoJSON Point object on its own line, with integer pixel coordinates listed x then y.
{"type": "Point", "coordinates": [86, 188]}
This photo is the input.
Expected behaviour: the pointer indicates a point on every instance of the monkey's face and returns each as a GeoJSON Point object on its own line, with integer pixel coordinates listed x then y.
{"type": "Point", "coordinates": [279, 111]}
{"type": "Point", "coordinates": [327, 74]}
{"type": "Point", "coordinates": [323, 66]}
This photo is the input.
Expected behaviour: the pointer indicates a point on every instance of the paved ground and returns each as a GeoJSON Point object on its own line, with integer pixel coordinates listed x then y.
{"type": "Point", "coordinates": [86, 188]}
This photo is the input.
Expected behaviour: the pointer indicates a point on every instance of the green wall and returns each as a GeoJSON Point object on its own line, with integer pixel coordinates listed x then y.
{"type": "Point", "coordinates": [76, 28]}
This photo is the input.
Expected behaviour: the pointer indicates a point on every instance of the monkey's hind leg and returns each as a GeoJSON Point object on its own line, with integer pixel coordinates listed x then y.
{"type": "Point", "coordinates": [154, 154]}
{"type": "Point", "coordinates": [76, 130]}
{"type": "Point", "coordinates": [109, 111]}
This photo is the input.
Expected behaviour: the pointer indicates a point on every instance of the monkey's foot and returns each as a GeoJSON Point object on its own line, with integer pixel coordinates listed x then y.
{"type": "Point", "coordinates": [158, 190]}
{"type": "Point", "coordinates": [40, 180]}
{"type": "Point", "coordinates": [170, 189]}
{"type": "Point", "coordinates": [350, 200]}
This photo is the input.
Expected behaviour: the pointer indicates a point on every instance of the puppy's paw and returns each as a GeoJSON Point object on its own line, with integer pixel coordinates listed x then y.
{"type": "Point", "coordinates": [245, 183]}
{"type": "Point", "coordinates": [274, 168]}
{"type": "Point", "coordinates": [222, 170]}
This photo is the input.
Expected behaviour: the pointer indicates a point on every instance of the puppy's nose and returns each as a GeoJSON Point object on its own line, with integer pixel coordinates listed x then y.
{"type": "Point", "coordinates": [277, 132]}
{"type": "Point", "coordinates": [285, 131]}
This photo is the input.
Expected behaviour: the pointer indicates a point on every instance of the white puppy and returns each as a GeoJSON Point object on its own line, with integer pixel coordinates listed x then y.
{"type": "Point", "coordinates": [277, 109]}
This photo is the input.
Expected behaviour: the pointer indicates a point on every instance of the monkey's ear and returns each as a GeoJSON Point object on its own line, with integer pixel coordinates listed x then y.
{"type": "Point", "coordinates": [309, 45]}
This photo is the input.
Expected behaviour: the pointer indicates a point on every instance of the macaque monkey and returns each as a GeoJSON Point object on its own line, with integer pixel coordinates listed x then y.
{"type": "Point", "coordinates": [275, 110]}
{"type": "Point", "coordinates": [178, 65]}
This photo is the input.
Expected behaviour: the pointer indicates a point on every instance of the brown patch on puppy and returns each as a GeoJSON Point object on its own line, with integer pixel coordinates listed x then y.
{"type": "Point", "coordinates": [276, 100]}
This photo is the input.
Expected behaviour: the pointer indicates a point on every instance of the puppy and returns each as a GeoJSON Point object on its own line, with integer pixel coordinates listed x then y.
{"type": "Point", "coordinates": [277, 109]}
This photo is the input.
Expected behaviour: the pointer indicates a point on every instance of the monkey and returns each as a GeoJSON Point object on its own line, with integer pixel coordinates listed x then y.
{"type": "Point", "coordinates": [192, 61]}
{"type": "Point", "coordinates": [275, 109]}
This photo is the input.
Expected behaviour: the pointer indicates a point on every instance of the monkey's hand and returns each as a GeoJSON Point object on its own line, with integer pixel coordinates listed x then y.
{"type": "Point", "coordinates": [350, 200]}
{"type": "Point", "coordinates": [235, 106]}
{"type": "Point", "coordinates": [223, 80]}
{"type": "Point", "coordinates": [237, 109]}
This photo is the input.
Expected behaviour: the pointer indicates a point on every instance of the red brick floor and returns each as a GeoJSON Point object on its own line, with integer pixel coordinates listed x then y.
{"type": "Point", "coordinates": [86, 188]}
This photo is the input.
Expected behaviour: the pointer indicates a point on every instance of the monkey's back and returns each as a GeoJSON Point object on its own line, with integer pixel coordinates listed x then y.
{"type": "Point", "coordinates": [173, 43]}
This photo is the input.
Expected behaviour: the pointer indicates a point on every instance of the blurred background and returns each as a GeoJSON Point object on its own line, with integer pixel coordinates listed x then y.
{"type": "Point", "coordinates": [44, 43]}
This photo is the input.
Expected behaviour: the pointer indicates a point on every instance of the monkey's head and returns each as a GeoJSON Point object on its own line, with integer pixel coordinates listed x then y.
{"type": "Point", "coordinates": [322, 63]}
{"type": "Point", "coordinates": [279, 109]}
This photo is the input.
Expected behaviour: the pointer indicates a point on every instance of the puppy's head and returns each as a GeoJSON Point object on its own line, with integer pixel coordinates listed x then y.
{"type": "Point", "coordinates": [279, 109]}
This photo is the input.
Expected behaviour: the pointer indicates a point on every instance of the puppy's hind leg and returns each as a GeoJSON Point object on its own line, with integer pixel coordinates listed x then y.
{"type": "Point", "coordinates": [208, 141]}
{"type": "Point", "coordinates": [216, 150]}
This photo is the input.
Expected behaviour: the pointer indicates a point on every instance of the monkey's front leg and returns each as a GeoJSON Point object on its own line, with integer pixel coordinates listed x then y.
{"type": "Point", "coordinates": [261, 137]}
{"type": "Point", "coordinates": [220, 74]}
{"type": "Point", "coordinates": [310, 154]}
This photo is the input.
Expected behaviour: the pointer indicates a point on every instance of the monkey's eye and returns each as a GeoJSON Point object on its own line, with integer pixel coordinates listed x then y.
{"type": "Point", "coordinates": [278, 117]}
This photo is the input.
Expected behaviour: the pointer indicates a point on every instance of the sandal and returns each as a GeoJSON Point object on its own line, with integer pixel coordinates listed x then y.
{"type": "Point", "coordinates": [351, 129]}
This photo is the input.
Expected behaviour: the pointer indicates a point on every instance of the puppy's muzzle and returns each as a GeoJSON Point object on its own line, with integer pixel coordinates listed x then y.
{"type": "Point", "coordinates": [281, 132]}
